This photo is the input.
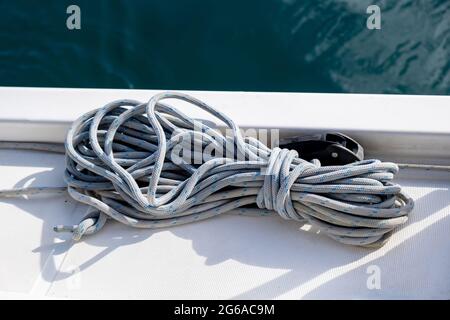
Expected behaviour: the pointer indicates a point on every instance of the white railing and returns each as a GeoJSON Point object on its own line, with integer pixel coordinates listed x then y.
{"type": "Point", "coordinates": [397, 127]}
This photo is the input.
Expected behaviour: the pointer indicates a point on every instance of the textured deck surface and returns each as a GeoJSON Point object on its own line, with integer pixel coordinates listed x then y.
{"type": "Point", "coordinates": [224, 257]}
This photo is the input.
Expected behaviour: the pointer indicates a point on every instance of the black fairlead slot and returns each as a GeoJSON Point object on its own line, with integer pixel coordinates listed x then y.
{"type": "Point", "coordinates": [332, 148]}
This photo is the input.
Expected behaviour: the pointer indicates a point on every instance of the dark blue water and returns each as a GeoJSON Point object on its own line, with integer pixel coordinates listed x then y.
{"type": "Point", "coordinates": [258, 45]}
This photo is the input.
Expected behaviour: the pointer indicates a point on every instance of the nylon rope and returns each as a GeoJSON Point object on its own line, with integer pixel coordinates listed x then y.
{"type": "Point", "coordinates": [122, 160]}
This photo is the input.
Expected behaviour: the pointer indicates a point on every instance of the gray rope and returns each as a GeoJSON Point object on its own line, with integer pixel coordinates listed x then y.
{"type": "Point", "coordinates": [121, 161]}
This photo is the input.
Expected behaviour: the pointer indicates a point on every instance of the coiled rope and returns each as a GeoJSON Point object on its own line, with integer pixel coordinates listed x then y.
{"type": "Point", "coordinates": [123, 161]}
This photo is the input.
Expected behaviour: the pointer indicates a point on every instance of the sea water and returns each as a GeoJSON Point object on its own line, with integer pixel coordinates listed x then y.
{"type": "Point", "coordinates": [252, 45]}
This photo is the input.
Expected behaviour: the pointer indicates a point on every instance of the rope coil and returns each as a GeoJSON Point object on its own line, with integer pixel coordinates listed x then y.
{"type": "Point", "coordinates": [121, 161]}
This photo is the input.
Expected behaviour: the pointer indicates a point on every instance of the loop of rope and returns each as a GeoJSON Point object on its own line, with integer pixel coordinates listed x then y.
{"type": "Point", "coordinates": [121, 161]}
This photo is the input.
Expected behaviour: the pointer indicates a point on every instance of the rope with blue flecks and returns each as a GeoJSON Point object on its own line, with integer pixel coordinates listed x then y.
{"type": "Point", "coordinates": [121, 161]}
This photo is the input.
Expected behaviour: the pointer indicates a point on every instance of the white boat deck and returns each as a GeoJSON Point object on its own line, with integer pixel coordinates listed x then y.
{"type": "Point", "coordinates": [224, 257]}
{"type": "Point", "coordinates": [229, 257]}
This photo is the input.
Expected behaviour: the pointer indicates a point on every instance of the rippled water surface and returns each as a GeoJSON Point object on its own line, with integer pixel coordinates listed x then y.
{"type": "Point", "coordinates": [270, 45]}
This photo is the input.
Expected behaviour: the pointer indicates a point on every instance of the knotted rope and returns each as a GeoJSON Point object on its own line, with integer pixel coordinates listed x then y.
{"type": "Point", "coordinates": [121, 161]}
